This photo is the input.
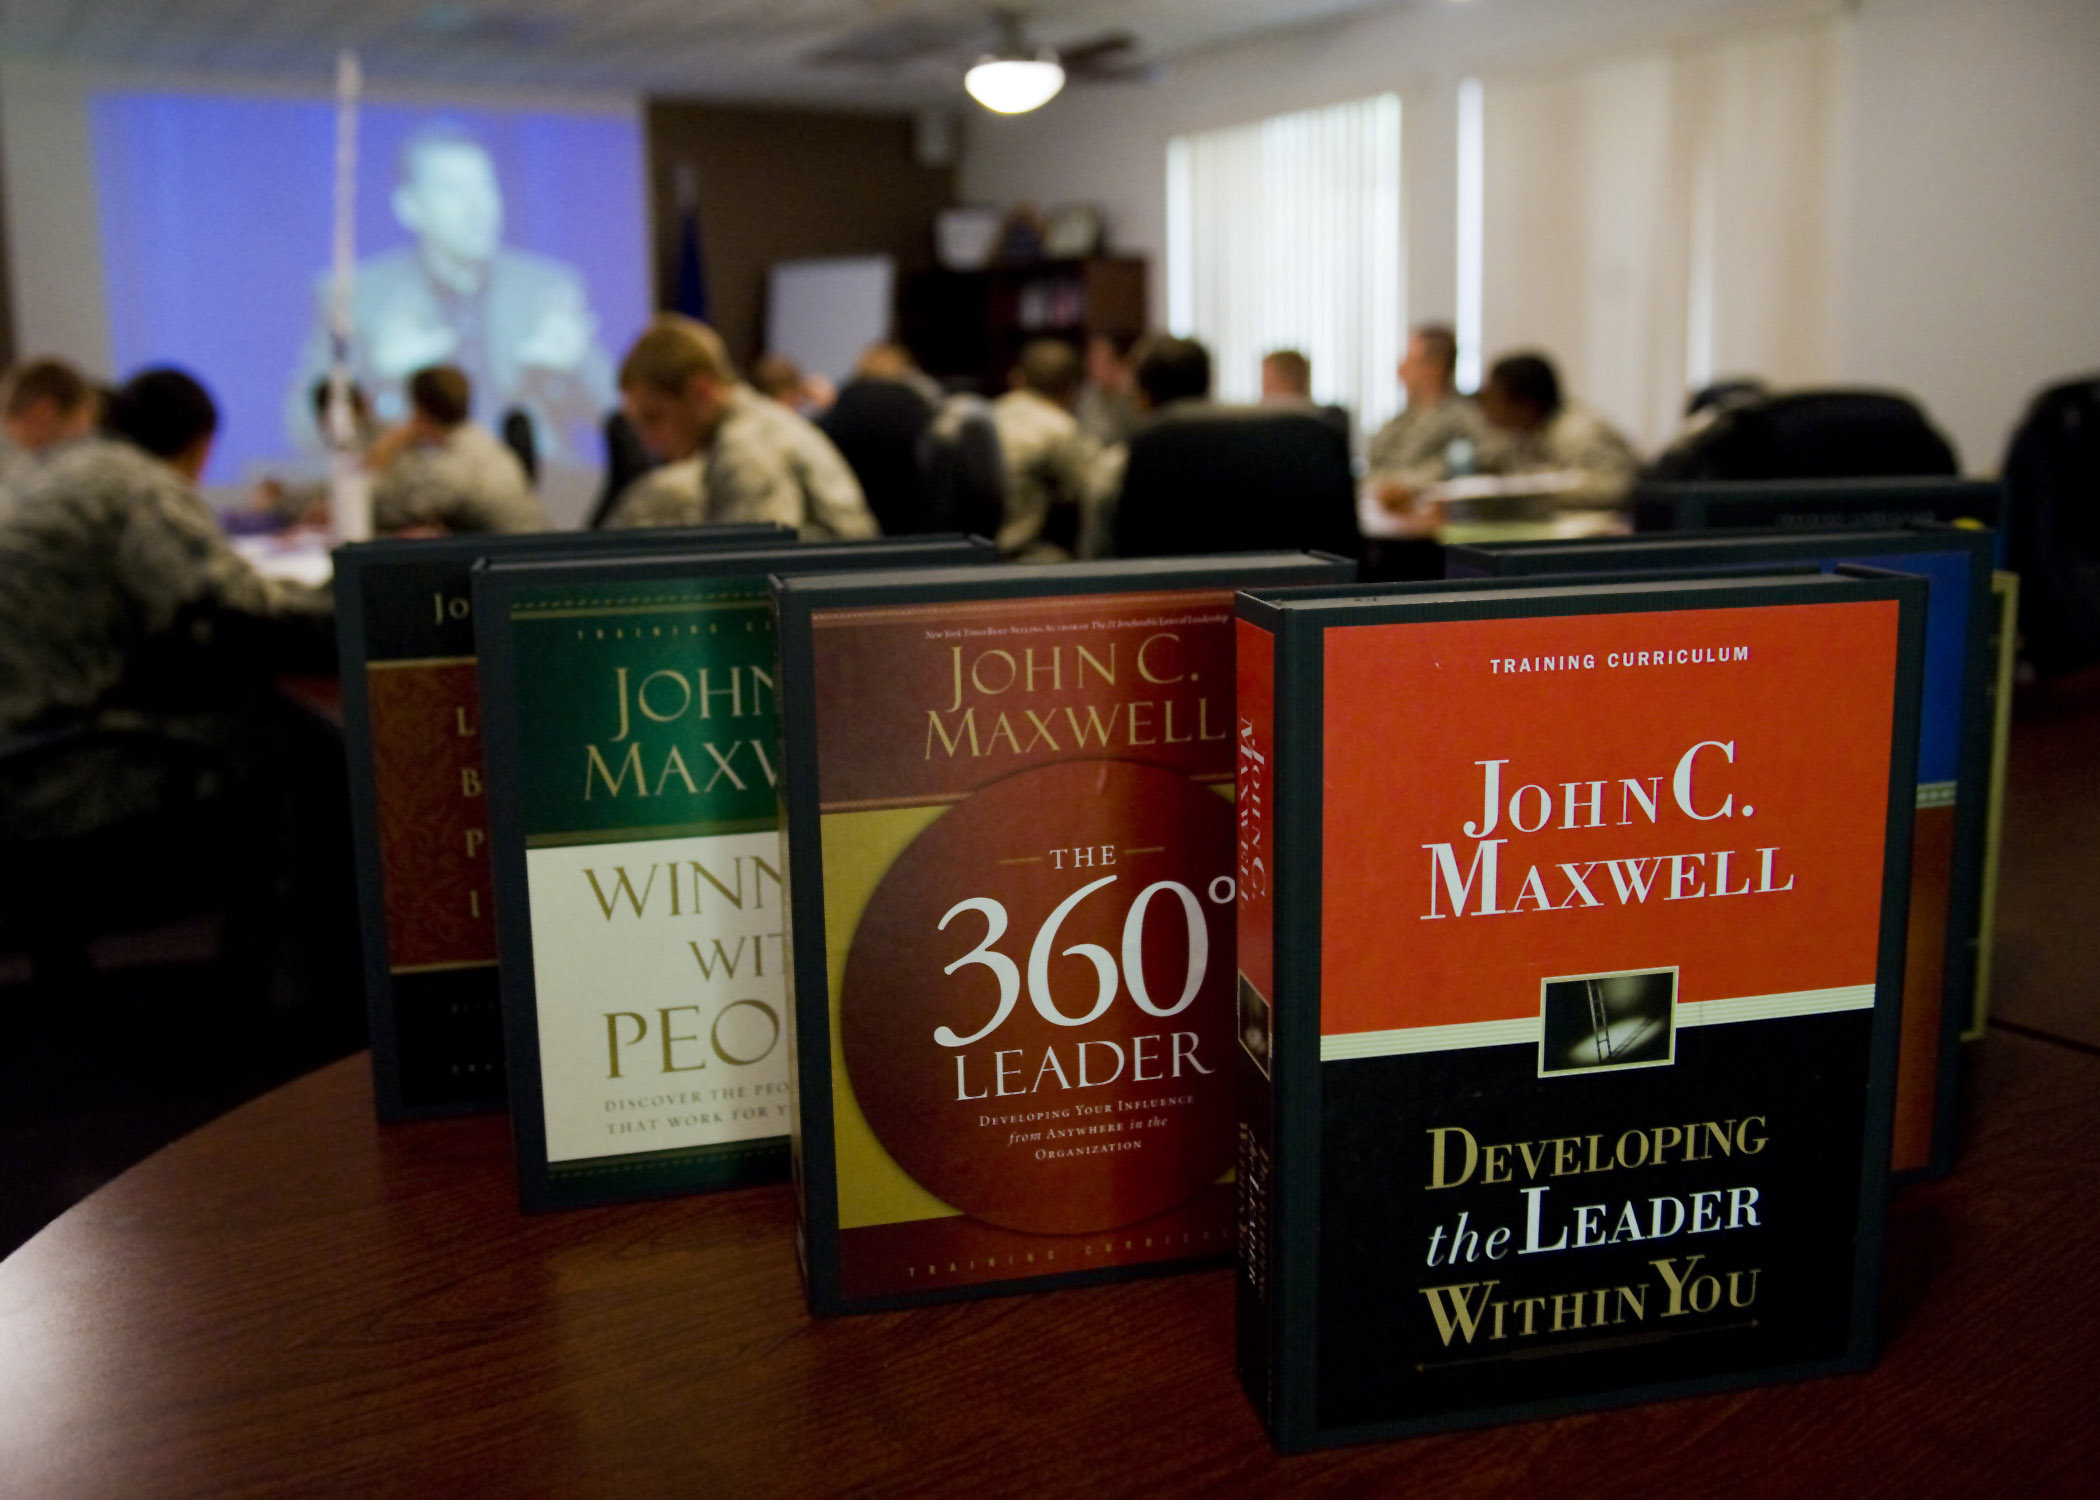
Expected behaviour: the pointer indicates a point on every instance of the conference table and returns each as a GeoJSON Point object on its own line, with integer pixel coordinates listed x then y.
{"type": "Point", "coordinates": [297, 1300]}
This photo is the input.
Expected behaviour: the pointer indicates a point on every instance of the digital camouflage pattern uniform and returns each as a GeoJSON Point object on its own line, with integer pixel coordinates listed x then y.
{"type": "Point", "coordinates": [763, 463]}
{"type": "Point", "coordinates": [469, 482]}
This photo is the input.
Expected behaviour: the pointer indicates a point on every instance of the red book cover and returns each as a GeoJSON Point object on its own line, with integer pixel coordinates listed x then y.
{"type": "Point", "coordinates": [1588, 933]}
{"type": "Point", "coordinates": [1024, 833]}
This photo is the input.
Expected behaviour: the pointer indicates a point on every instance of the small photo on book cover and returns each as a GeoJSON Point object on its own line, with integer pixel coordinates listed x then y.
{"type": "Point", "coordinates": [1254, 1024]}
{"type": "Point", "coordinates": [1593, 1021]}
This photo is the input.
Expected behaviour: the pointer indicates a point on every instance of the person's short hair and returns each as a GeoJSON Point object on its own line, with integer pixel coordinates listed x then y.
{"type": "Point", "coordinates": [1050, 367]}
{"type": "Point", "coordinates": [51, 380]}
{"type": "Point", "coordinates": [885, 361]}
{"type": "Point", "coordinates": [442, 393]}
{"type": "Point", "coordinates": [776, 375]}
{"type": "Point", "coordinates": [1172, 369]}
{"type": "Point", "coordinates": [164, 411]}
{"type": "Point", "coordinates": [434, 135]}
{"type": "Point", "coordinates": [1291, 367]}
{"type": "Point", "coordinates": [1528, 380]}
{"type": "Point", "coordinates": [1441, 341]}
{"type": "Point", "coordinates": [670, 352]}
{"type": "Point", "coordinates": [1119, 344]}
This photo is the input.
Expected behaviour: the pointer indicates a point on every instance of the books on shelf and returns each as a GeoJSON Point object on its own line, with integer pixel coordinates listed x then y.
{"type": "Point", "coordinates": [1008, 826]}
{"type": "Point", "coordinates": [1571, 926]}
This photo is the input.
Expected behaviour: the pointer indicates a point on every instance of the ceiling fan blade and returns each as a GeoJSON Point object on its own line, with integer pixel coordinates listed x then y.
{"type": "Point", "coordinates": [1109, 50]}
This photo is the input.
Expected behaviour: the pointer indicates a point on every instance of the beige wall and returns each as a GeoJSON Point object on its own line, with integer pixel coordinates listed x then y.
{"type": "Point", "coordinates": [1971, 269]}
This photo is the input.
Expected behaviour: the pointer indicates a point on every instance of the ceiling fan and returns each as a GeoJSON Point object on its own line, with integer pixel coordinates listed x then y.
{"type": "Point", "coordinates": [1009, 75]}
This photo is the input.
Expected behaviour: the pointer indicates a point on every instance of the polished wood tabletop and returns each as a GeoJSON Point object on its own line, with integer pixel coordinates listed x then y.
{"type": "Point", "coordinates": [296, 1300]}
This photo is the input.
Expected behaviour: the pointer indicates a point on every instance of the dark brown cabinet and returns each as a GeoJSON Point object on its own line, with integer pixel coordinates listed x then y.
{"type": "Point", "coordinates": [967, 327]}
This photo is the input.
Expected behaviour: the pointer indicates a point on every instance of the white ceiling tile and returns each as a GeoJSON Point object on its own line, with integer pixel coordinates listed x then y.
{"type": "Point", "coordinates": [751, 49]}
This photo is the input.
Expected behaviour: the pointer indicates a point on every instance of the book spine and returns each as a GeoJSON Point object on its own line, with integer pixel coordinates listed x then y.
{"type": "Point", "coordinates": [1254, 1064]}
{"type": "Point", "coordinates": [1963, 940]}
{"type": "Point", "coordinates": [2005, 605]}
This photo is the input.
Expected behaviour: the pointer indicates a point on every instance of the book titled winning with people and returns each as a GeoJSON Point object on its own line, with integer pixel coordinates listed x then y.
{"type": "Point", "coordinates": [631, 711]}
{"type": "Point", "coordinates": [1008, 823]}
{"type": "Point", "coordinates": [1571, 936]}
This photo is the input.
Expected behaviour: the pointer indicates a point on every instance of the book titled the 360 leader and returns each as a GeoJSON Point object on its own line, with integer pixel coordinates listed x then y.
{"type": "Point", "coordinates": [1009, 832]}
{"type": "Point", "coordinates": [1571, 936]}
{"type": "Point", "coordinates": [631, 711]}
{"type": "Point", "coordinates": [418, 805]}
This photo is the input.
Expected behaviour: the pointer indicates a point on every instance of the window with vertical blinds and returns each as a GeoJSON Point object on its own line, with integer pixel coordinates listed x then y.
{"type": "Point", "coordinates": [1285, 234]}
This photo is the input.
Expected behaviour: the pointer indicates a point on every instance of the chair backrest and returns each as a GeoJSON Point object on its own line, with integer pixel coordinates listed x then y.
{"type": "Point", "coordinates": [2052, 485]}
{"type": "Point", "coordinates": [877, 426]}
{"type": "Point", "coordinates": [1205, 478]}
{"type": "Point", "coordinates": [1830, 434]}
{"type": "Point", "coordinates": [519, 437]}
{"type": "Point", "coordinates": [962, 469]}
{"type": "Point", "coordinates": [626, 460]}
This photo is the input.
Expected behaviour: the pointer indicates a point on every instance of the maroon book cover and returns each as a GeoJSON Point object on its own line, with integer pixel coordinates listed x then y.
{"type": "Point", "coordinates": [433, 829]}
{"type": "Point", "coordinates": [1023, 962]}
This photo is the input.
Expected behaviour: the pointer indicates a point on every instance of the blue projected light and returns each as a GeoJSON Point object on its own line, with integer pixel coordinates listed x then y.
{"type": "Point", "coordinates": [509, 243]}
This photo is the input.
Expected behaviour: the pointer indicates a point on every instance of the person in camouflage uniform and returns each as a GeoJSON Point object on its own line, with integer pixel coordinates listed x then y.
{"type": "Point", "coordinates": [49, 405]}
{"type": "Point", "coordinates": [758, 461]}
{"type": "Point", "coordinates": [673, 494]}
{"type": "Point", "coordinates": [1439, 434]}
{"type": "Point", "coordinates": [1050, 462]}
{"type": "Point", "coordinates": [123, 608]}
{"type": "Point", "coordinates": [441, 469]}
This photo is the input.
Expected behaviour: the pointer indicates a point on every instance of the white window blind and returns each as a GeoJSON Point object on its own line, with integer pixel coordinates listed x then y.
{"type": "Point", "coordinates": [1285, 234]}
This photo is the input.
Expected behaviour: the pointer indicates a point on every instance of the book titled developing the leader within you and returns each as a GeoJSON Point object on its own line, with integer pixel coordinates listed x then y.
{"type": "Point", "coordinates": [1008, 822]}
{"type": "Point", "coordinates": [1949, 829]}
{"type": "Point", "coordinates": [630, 711]}
{"type": "Point", "coordinates": [1571, 936]}
{"type": "Point", "coordinates": [418, 813]}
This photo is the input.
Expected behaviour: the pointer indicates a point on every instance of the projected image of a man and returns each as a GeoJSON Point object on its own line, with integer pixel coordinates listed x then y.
{"type": "Point", "coordinates": [518, 324]}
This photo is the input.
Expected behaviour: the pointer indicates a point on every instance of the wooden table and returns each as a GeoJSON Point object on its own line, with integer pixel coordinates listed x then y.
{"type": "Point", "coordinates": [294, 1300]}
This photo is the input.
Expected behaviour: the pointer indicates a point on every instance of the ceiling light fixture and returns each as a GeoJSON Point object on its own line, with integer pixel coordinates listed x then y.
{"type": "Point", "coordinates": [1013, 85]}
{"type": "Point", "coordinates": [1013, 77]}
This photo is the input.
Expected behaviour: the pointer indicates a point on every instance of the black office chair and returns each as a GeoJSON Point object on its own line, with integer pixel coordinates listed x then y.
{"type": "Point", "coordinates": [962, 469]}
{"type": "Point", "coordinates": [2052, 492]}
{"type": "Point", "coordinates": [877, 426]}
{"type": "Point", "coordinates": [521, 439]}
{"type": "Point", "coordinates": [1832, 434]}
{"type": "Point", "coordinates": [626, 460]}
{"type": "Point", "coordinates": [110, 830]}
{"type": "Point", "coordinates": [1207, 478]}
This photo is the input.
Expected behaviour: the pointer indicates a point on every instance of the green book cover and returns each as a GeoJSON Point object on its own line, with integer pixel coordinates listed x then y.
{"type": "Point", "coordinates": [633, 755]}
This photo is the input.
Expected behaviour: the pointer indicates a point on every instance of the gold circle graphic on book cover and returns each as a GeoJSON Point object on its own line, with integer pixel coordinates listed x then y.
{"type": "Point", "coordinates": [1037, 1009]}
